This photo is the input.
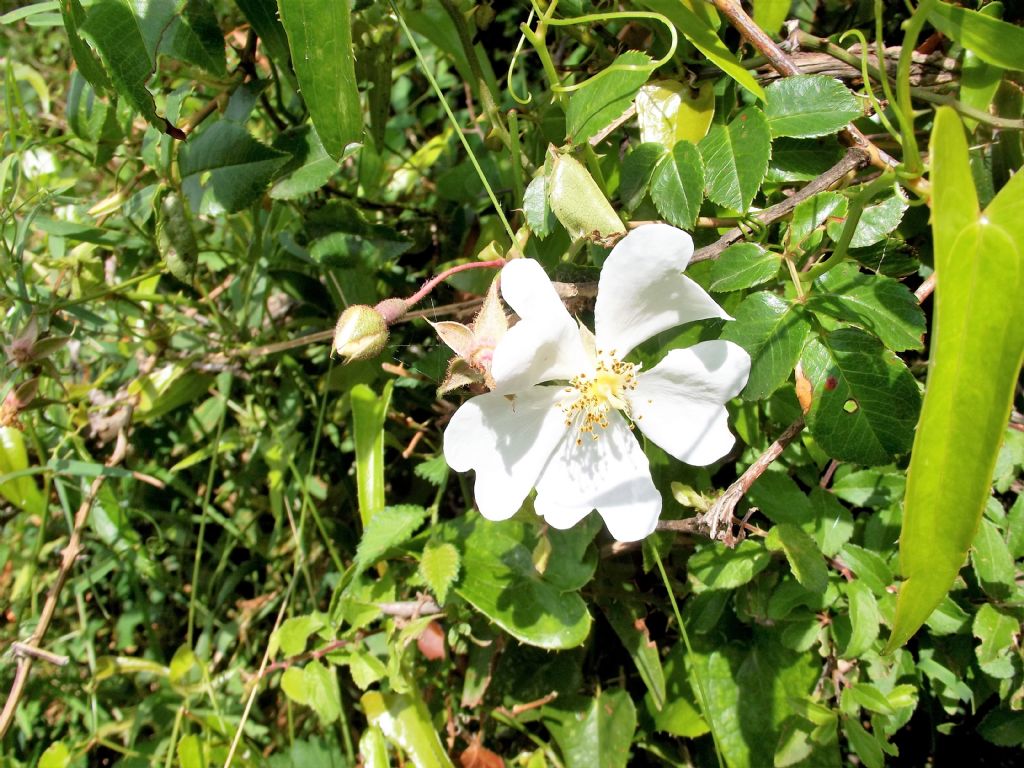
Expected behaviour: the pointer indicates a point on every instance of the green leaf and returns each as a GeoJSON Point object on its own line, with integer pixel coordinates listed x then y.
{"type": "Point", "coordinates": [997, 42]}
{"type": "Point", "coordinates": [539, 216]}
{"type": "Point", "coordinates": [977, 347]}
{"type": "Point", "coordinates": [864, 619]}
{"type": "Point", "coordinates": [980, 80]}
{"type": "Point", "coordinates": [594, 733]}
{"type": "Point", "coordinates": [807, 106]}
{"type": "Point", "coordinates": [875, 223]}
{"type": "Point", "coordinates": [637, 171]}
{"type": "Point", "coordinates": [295, 631]}
{"type": "Point", "coordinates": [880, 305]}
{"type": "Point", "coordinates": [809, 216]}
{"type": "Point", "coordinates": [743, 265]}
{"type": "Point", "coordinates": [870, 488]}
{"type": "Point", "coordinates": [190, 752]}
{"type": "Point", "coordinates": [865, 401]}
{"type": "Point", "coordinates": [226, 169]}
{"type": "Point", "coordinates": [718, 567]}
{"type": "Point", "coordinates": [869, 567]}
{"type": "Point", "coordinates": [320, 38]}
{"type": "Point", "coordinates": [993, 563]}
{"type": "Point", "coordinates": [499, 579]}
{"type": "Point", "coordinates": [802, 160]}
{"type": "Point", "coordinates": [57, 755]}
{"type": "Point", "coordinates": [406, 723]}
{"type": "Point", "coordinates": [322, 692]}
{"type": "Point", "coordinates": [997, 629]}
{"type": "Point", "coordinates": [869, 697]}
{"type": "Point", "coordinates": [677, 187]}
{"type": "Point", "coordinates": [773, 331]}
{"type": "Point", "coordinates": [439, 567]}
{"type": "Point", "coordinates": [368, 414]}
{"type": "Point", "coordinates": [599, 102]}
{"type": "Point", "coordinates": [193, 35]}
{"type": "Point", "coordinates": [699, 32]}
{"type": "Point", "coordinates": [1003, 727]}
{"type": "Point", "coordinates": [736, 158]}
{"type": "Point", "coordinates": [864, 744]}
{"type": "Point", "coordinates": [669, 111]}
{"type": "Point", "coordinates": [293, 683]}
{"type": "Point", "coordinates": [89, 66]}
{"type": "Point", "coordinates": [628, 622]}
{"type": "Point", "coordinates": [310, 166]}
{"type": "Point", "coordinates": [802, 553]}
{"type": "Point", "coordinates": [769, 14]}
{"type": "Point", "coordinates": [262, 16]}
{"type": "Point", "coordinates": [387, 528]}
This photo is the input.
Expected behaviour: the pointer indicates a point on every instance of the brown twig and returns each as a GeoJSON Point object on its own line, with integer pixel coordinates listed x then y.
{"type": "Point", "coordinates": [68, 557]}
{"type": "Point", "coordinates": [518, 709]}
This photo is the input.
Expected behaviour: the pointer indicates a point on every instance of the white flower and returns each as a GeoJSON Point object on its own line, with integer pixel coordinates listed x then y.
{"type": "Point", "coordinates": [561, 416]}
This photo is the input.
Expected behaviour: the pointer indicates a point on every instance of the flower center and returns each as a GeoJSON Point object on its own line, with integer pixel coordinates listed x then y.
{"type": "Point", "coordinates": [589, 398]}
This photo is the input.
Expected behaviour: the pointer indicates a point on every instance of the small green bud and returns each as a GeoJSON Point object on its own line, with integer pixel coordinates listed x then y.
{"type": "Point", "coordinates": [360, 334]}
{"type": "Point", "coordinates": [579, 204]}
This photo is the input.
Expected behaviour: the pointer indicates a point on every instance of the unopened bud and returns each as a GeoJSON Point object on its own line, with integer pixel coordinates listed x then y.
{"type": "Point", "coordinates": [361, 333]}
{"type": "Point", "coordinates": [579, 203]}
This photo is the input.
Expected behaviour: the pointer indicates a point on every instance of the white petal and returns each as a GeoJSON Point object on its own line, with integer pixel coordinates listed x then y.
{"type": "Point", "coordinates": [610, 474]}
{"type": "Point", "coordinates": [507, 442]}
{"type": "Point", "coordinates": [545, 343]}
{"type": "Point", "coordinates": [680, 403]}
{"type": "Point", "coordinates": [642, 290]}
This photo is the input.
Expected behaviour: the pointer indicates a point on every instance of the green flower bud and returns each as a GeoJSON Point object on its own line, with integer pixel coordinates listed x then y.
{"type": "Point", "coordinates": [579, 204]}
{"type": "Point", "coordinates": [360, 334]}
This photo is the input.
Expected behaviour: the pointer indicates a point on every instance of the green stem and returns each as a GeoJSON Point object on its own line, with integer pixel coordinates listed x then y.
{"type": "Point", "coordinates": [854, 212]}
{"type": "Point", "coordinates": [691, 659]}
{"type": "Point", "coordinates": [904, 107]}
{"type": "Point", "coordinates": [518, 187]}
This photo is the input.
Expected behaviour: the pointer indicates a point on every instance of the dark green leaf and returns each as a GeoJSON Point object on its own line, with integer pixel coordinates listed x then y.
{"type": "Point", "coordinates": [628, 623]}
{"type": "Point", "coordinates": [875, 223]}
{"type": "Point", "coordinates": [1003, 727]}
{"type": "Point", "coordinates": [809, 217]}
{"type": "Point", "coordinates": [89, 66]}
{"type": "Point", "coordinates": [602, 100]}
{"type": "Point", "coordinates": [864, 744]}
{"type": "Point", "coordinates": [736, 158]}
{"type": "Point", "coordinates": [310, 166]}
{"type": "Point", "coordinates": [869, 567]}
{"type": "Point", "coordinates": [262, 15]}
{"type": "Point", "coordinates": [320, 38]}
{"type": "Point", "coordinates": [637, 170]}
{"type": "Point", "coordinates": [226, 169]}
{"type": "Point", "coordinates": [743, 265]}
{"type": "Point", "coordinates": [870, 488]}
{"type": "Point", "coordinates": [865, 401]}
{"type": "Point", "coordinates": [807, 106]}
{"type": "Point", "coordinates": [595, 733]}
{"type": "Point", "coordinates": [773, 332]}
{"type": "Point", "coordinates": [193, 35]}
{"type": "Point", "coordinates": [677, 187]}
{"type": "Point", "coordinates": [802, 160]}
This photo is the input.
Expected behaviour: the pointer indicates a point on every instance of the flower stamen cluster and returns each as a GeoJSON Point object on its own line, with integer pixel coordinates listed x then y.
{"type": "Point", "coordinates": [590, 398]}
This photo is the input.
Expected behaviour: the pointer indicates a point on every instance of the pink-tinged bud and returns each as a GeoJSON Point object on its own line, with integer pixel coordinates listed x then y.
{"type": "Point", "coordinates": [361, 333]}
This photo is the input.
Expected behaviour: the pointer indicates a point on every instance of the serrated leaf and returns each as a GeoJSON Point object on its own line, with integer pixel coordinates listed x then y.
{"type": "Point", "coordinates": [595, 733]}
{"type": "Point", "coordinates": [875, 223]}
{"type": "Point", "coordinates": [880, 305]}
{"type": "Point", "coordinates": [226, 169]}
{"type": "Point", "coordinates": [865, 400]}
{"type": "Point", "coordinates": [809, 218]}
{"type": "Point", "coordinates": [388, 528]}
{"type": "Point", "coordinates": [997, 42]}
{"type": "Point", "coordinates": [743, 265]}
{"type": "Point", "coordinates": [293, 633]}
{"type": "Point", "coordinates": [807, 106]}
{"type": "Point", "coordinates": [599, 102]}
{"type": "Point", "coordinates": [320, 38]}
{"type": "Point", "coordinates": [322, 692]}
{"type": "Point", "coordinates": [736, 158]}
{"type": "Point", "coordinates": [773, 331]}
{"type": "Point", "coordinates": [677, 187]}
{"type": "Point", "coordinates": [637, 170]}
{"type": "Point", "coordinates": [977, 348]}
{"type": "Point", "coordinates": [193, 35]}
{"type": "Point", "coordinates": [803, 555]}
{"type": "Point", "coordinates": [433, 470]}
{"type": "Point", "coordinates": [89, 65]}
{"type": "Point", "coordinates": [718, 567]}
{"type": "Point", "coordinates": [539, 216]}
{"type": "Point", "coordinates": [439, 567]}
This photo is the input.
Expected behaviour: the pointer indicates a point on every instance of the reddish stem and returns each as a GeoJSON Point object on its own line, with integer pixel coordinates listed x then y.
{"type": "Point", "coordinates": [432, 282]}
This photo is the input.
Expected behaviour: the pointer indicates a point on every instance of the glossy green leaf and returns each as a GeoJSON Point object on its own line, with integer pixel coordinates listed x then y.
{"type": "Point", "coordinates": [368, 414]}
{"type": "Point", "coordinates": [405, 721]}
{"type": "Point", "coordinates": [805, 559]}
{"type": "Point", "coordinates": [809, 217]}
{"type": "Point", "coordinates": [602, 100]}
{"type": "Point", "coordinates": [718, 567]}
{"type": "Point", "coordinates": [807, 106]}
{"type": "Point", "coordinates": [226, 169]}
{"type": "Point", "coordinates": [21, 491]}
{"type": "Point", "coordinates": [864, 399]}
{"type": "Point", "coordinates": [736, 159]}
{"type": "Point", "coordinates": [879, 305]}
{"type": "Point", "coordinates": [320, 38]}
{"type": "Point", "coordinates": [997, 42]}
{"type": "Point", "coordinates": [499, 579]}
{"type": "Point", "coordinates": [743, 265]}
{"type": "Point", "coordinates": [865, 619]}
{"type": "Point", "coordinates": [774, 332]}
{"type": "Point", "coordinates": [876, 221]}
{"type": "Point", "coordinates": [699, 32]}
{"type": "Point", "coordinates": [977, 347]}
{"type": "Point", "coordinates": [439, 567]}
{"type": "Point", "coordinates": [387, 528]}
{"type": "Point", "coordinates": [594, 733]}
{"type": "Point", "coordinates": [980, 80]}
{"type": "Point", "coordinates": [628, 623]}
{"type": "Point", "coordinates": [993, 563]}
{"type": "Point", "coordinates": [677, 187]}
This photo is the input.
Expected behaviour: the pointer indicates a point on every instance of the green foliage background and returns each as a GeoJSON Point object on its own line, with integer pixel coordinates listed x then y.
{"type": "Point", "coordinates": [278, 569]}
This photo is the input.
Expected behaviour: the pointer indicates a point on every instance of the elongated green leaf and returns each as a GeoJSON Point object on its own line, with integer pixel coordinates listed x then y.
{"type": "Point", "coordinates": [997, 42]}
{"type": "Point", "coordinates": [677, 187]}
{"type": "Point", "coordinates": [806, 106]}
{"type": "Point", "coordinates": [629, 625]}
{"type": "Point", "coordinates": [773, 332]}
{"type": "Point", "coordinates": [320, 37]}
{"type": "Point", "coordinates": [977, 347]}
{"type": "Point", "coordinates": [736, 158]}
{"type": "Point", "coordinates": [802, 553]}
{"type": "Point", "coordinates": [368, 414]}
{"type": "Point", "coordinates": [405, 721]}
{"type": "Point", "coordinates": [865, 402]}
{"type": "Point", "coordinates": [600, 101]}
{"type": "Point", "coordinates": [89, 66]}
{"type": "Point", "coordinates": [702, 35]}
